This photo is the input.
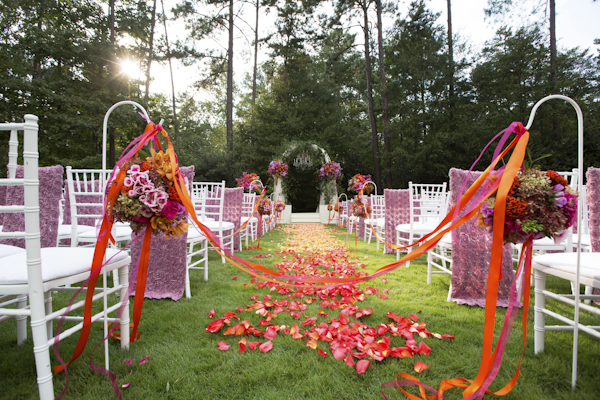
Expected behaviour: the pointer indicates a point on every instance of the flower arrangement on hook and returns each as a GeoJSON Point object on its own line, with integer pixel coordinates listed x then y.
{"type": "Point", "coordinates": [148, 196]}
{"type": "Point", "coordinates": [247, 181]}
{"type": "Point", "coordinates": [358, 205]}
{"type": "Point", "coordinates": [357, 182]}
{"type": "Point", "coordinates": [330, 170]}
{"type": "Point", "coordinates": [277, 169]}
{"type": "Point", "coordinates": [539, 204]}
{"type": "Point", "coordinates": [279, 206]}
{"type": "Point", "coordinates": [265, 206]}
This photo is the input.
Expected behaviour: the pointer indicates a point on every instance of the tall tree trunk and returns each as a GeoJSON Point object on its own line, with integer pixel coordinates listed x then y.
{"type": "Point", "coordinates": [384, 101]}
{"type": "Point", "coordinates": [230, 81]}
{"type": "Point", "coordinates": [450, 68]}
{"type": "Point", "coordinates": [150, 54]}
{"type": "Point", "coordinates": [113, 74]}
{"type": "Point", "coordinates": [254, 71]}
{"type": "Point", "coordinates": [554, 71]}
{"type": "Point", "coordinates": [175, 124]}
{"type": "Point", "coordinates": [374, 136]}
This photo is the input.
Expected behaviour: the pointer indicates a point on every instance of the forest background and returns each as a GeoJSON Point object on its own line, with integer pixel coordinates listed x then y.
{"type": "Point", "coordinates": [408, 106]}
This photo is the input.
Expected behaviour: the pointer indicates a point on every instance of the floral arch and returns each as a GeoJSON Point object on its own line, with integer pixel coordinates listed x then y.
{"type": "Point", "coordinates": [327, 191]}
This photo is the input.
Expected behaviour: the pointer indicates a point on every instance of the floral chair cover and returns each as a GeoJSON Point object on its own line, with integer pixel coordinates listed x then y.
{"type": "Point", "coordinates": [232, 211]}
{"type": "Point", "coordinates": [592, 196]}
{"type": "Point", "coordinates": [397, 211]}
{"type": "Point", "coordinates": [167, 263]}
{"type": "Point", "coordinates": [471, 251]}
{"type": "Point", "coordinates": [51, 187]}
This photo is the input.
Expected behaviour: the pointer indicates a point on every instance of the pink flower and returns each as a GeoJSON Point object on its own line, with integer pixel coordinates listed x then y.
{"type": "Point", "coordinates": [170, 210]}
{"type": "Point", "coordinates": [156, 199]}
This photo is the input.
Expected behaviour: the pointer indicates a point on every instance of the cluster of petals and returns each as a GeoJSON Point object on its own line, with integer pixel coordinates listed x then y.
{"type": "Point", "coordinates": [342, 334]}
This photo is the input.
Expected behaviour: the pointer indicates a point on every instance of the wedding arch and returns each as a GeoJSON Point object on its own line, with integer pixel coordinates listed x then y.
{"type": "Point", "coordinates": [307, 157]}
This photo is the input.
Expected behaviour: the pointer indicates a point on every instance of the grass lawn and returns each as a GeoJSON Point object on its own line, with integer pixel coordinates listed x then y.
{"type": "Point", "coordinates": [185, 362]}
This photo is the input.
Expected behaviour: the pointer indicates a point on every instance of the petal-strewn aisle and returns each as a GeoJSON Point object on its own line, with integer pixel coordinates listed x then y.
{"type": "Point", "coordinates": [328, 320]}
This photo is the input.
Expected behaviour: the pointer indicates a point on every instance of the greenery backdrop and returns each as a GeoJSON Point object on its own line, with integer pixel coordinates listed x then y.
{"type": "Point", "coordinates": [59, 60]}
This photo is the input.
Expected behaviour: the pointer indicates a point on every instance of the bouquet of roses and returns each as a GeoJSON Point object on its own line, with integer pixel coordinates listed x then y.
{"type": "Point", "coordinates": [277, 169]}
{"type": "Point", "coordinates": [539, 204]}
{"type": "Point", "coordinates": [338, 207]}
{"type": "Point", "coordinates": [331, 169]}
{"type": "Point", "coordinates": [148, 196]}
{"type": "Point", "coordinates": [358, 182]}
{"type": "Point", "coordinates": [358, 207]}
{"type": "Point", "coordinates": [247, 182]}
{"type": "Point", "coordinates": [279, 206]}
{"type": "Point", "coordinates": [265, 206]}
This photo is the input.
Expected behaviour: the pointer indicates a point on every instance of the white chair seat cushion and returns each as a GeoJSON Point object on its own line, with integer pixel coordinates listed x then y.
{"type": "Point", "coordinates": [250, 220]}
{"type": "Point", "coordinates": [375, 222]}
{"type": "Point", "coordinates": [214, 225]}
{"type": "Point", "coordinates": [589, 263]}
{"type": "Point", "coordinates": [121, 233]}
{"type": "Point", "coordinates": [586, 240]}
{"type": "Point", "coordinates": [57, 262]}
{"type": "Point", "coordinates": [418, 227]}
{"type": "Point", "coordinates": [8, 250]}
{"type": "Point", "coordinates": [65, 230]}
{"type": "Point", "coordinates": [546, 241]}
{"type": "Point", "coordinates": [194, 234]}
{"type": "Point", "coordinates": [446, 240]}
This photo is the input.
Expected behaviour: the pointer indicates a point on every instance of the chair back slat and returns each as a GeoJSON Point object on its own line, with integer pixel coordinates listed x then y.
{"type": "Point", "coordinates": [428, 203]}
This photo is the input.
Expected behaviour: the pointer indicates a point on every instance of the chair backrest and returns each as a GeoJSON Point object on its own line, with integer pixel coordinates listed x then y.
{"type": "Point", "coordinates": [428, 202]}
{"type": "Point", "coordinates": [248, 203]}
{"type": "Point", "coordinates": [572, 177]}
{"type": "Point", "coordinates": [208, 199]}
{"type": "Point", "coordinates": [377, 206]}
{"type": "Point", "coordinates": [85, 189]}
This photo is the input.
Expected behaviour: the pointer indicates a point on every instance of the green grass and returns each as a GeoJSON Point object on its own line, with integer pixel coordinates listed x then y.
{"type": "Point", "coordinates": [185, 362]}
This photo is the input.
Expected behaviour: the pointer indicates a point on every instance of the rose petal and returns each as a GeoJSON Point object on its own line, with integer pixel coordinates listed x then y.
{"type": "Point", "coordinates": [322, 353]}
{"type": "Point", "coordinates": [125, 386]}
{"type": "Point", "coordinates": [424, 349]}
{"type": "Point", "coordinates": [420, 366]}
{"type": "Point", "coordinates": [144, 360]}
{"type": "Point", "coordinates": [242, 345]}
{"type": "Point", "coordinates": [414, 317]}
{"type": "Point", "coordinates": [211, 313]}
{"type": "Point", "coordinates": [234, 277]}
{"type": "Point", "coordinates": [223, 346]}
{"type": "Point", "coordinates": [270, 333]}
{"type": "Point", "coordinates": [362, 366]}
{"type": "Point", "coordinates": [266, 347]}
{"type": "Point", "coordinates": [349, 360]}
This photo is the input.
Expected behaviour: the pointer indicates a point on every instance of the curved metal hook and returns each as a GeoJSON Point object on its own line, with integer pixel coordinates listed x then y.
{"type": "Point", "coordinates": [105, 124]}
{"type": "Point", "coordinates": [372, 183]}
{"type": "Point", "coordinates": [579, 214]}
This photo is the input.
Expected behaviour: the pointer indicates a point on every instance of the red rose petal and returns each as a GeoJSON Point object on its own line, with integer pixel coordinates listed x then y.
{"type": "Point", "coordinates": [322, 353]}
{"type": "Point", "coordinates": [242, 345]}
{"type": "Point", "coordinates": [270, 333]}
{"type": "Point", "coordinates": [424, 349]}
{"type": "Point", "coordinates": [420, 366]}
{"type": "Point", "coordinates": [349, 360]}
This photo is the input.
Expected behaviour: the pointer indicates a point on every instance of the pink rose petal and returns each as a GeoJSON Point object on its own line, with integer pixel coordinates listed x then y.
{"type": "Point", "coordinates": [223, 346]}
{"type": "Point", "coordinates": [211, 313]}
{"type": "Point", "coordinates": [349, 360]}
{"type": "Point", "coordinates": [144, 360]}
{"type": "Point", "coordinates": [266, 347]}
{"type": "Point", "coordinates": [125, 386]}
{"type": "Point", "coordinates": [362, 366]}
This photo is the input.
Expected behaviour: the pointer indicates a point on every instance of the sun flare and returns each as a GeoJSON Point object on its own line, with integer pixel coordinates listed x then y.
{"type": "Point", "coordinates": [129, 68]}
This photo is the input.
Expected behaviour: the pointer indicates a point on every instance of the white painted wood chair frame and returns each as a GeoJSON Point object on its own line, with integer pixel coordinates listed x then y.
{"type": "Point", "coordinates": [427, 205]}
{"type": "Point", "coordinates": [36, 260]}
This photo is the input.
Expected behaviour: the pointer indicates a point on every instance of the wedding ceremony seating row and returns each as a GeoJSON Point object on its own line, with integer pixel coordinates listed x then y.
{"type": "Point", "coordinates": [35, 273]}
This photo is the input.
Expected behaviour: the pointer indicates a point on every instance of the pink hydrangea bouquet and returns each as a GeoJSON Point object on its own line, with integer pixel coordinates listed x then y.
{"type": "Point", "coordinates": [265, 206]}
{"type": "Point", "coordinates": [331, 169]}
{"type": "Point", "coordinates": [539, 204]}
{"type": "Point", "coordinates": [247, 182]}
{"type": "Point", "coordinates": [278, 169]}
{"type": "Point", "coordinates": [358, 207]}
{"type": "Point", "coordinates": [358, 182]}
{"type": "Point", "coordinates": [149, 197]}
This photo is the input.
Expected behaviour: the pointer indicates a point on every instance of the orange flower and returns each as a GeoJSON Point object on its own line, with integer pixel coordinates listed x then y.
{"type": "Point", "coordinates": [515, 208]}
{"type": "Point", "coordinates": [146, 166]}
{"type": "Point", "coordinates": [556, 178]}
{"type": "Point", "coordinates": [173, 194]}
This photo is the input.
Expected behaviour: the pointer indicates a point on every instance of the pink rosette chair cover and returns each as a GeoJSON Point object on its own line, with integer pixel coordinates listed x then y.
{"type": "Point", "coordinates": [80, 209]}
{"type": "Point", "coordinates": [397, 211]}
{"type": "Point", "coordinates": [167, 263]}
{"type": "Point", "coordinates": [232, 211]}
{"type": "Point", "coordinates": [50, 190]}
{"type": "Point", "coordinates": [471, 252]}
{"type": "Point", "coordinates": [592, 200]}
{"type": "Point", "coordinates": [2, 202]}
